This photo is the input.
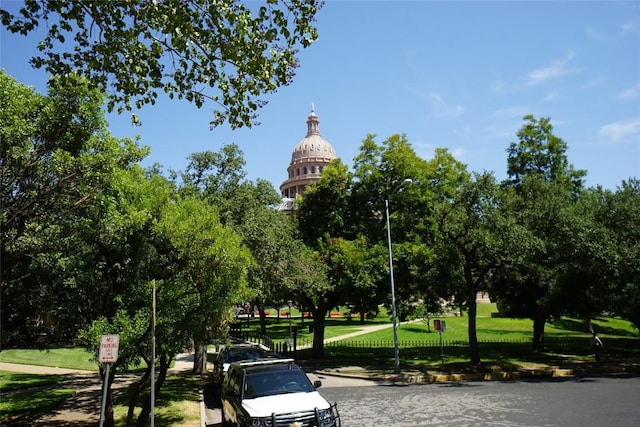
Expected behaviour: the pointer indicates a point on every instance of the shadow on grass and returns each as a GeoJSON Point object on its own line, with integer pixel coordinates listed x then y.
{"type": "Point", "coordinates": [603, 326]}
{"type": "Point", "coordinates": [10, 381]}
{"type": "Point", "coordinates": [569, 325]}
{"type": "Point", "coordinates": [279, 329]}
{"type": "Point", "coordinates": [410, 328]}
{"type": "Point", "coordinates": [179, 388]}
{"type": "Point", "coordinates": [22, 408]}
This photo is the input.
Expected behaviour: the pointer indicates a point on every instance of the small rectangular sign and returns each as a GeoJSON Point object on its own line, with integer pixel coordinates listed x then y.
{"type": "Point", "coordinates": [109, 348]}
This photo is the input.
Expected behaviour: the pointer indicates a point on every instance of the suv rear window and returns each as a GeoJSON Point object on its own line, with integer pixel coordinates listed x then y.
{"type": "Point", "coordinates": [270, 382]}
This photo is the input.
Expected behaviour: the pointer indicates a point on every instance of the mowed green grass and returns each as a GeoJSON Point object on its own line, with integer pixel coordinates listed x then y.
{"type": "Point", "coordinates": [488, 328]}
{"type": "Point", "coordinates": [27, 396]}
{"type": "Point", "coordinates": [67, 357]}
{"type": "Point", "coordinates": [177, 404]}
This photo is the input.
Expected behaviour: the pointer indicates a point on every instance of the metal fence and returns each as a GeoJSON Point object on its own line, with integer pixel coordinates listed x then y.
{"type": "Point", "coordinates": [556, 342]}
{"type": "Point", "coordinates": [570, 345]}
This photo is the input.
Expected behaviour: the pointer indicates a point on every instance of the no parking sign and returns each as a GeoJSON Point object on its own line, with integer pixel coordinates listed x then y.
{"type": "Point", "coordinates": [439, 325]}
{"type": "Point", "coordinates": [109, 348]}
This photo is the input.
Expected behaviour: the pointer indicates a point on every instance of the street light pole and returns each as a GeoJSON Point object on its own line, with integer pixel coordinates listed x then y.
{"type": "Point", "coordinates": [290, 334]}
{"type": "Point", "coordinates": [393, 290]}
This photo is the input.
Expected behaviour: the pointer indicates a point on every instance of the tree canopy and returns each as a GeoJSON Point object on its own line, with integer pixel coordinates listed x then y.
{"type": "Point", "coordinates": [225, 51]}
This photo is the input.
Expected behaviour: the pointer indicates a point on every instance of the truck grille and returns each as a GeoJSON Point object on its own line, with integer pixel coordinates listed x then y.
{"type": "Point", "coordinates": [304, 419]}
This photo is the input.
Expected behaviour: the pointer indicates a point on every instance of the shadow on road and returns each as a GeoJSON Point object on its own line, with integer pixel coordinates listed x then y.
{"type": "Point", "coordinates": [211, 406]}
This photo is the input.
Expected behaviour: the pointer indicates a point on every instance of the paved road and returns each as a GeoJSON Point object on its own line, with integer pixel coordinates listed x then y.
{"type": "Point", "coordinates": [572, 402]}
{"type": "Point", "coordinates": [582, 402]}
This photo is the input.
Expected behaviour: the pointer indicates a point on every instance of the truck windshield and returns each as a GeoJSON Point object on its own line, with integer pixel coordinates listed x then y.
{"type": "Point", "coordinates": [268, 383]}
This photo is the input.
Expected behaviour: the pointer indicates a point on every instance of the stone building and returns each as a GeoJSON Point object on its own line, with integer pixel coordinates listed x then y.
{"type": "Point", "coordinates": [308, 159]}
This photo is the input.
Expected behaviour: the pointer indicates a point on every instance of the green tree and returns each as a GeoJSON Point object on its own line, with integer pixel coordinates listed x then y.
{"type": "Point", "coordinates": [540, 152]}
{"type": "Point", "coordinates": [212, 269]}
{"type": "Point", "coordinates": [323, 218]}
{"type": "Point", "coordinates": [538, 282]}
{"type": "Point", "coordinates": [325, 206]}
{"type": "Point", "coordinates": [214, 175]}
{"type": "Point", "coordinates": [546, 189]}
{"type": "Point", "coordinates": [199, 267]}
{"type": "Point", "coordinates": [57, 166]}
{"type": "Point", "coordinates": [619, 212]}
{"type": "Point", "coordinates": [470, 228]}
{"type": "Point", "coordinates": [226, 52]}
{"type": "Point", "coordinates": [271, 237]}
{"type": "Point", "coordinates": [379, 171]}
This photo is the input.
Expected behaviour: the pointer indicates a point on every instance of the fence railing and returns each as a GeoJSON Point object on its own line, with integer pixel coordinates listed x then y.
{"type": "Point", "coordinates": [286, 348]}
{"type": "Point", "coordinates": [556, 342]}
{"type": "Point", "coordinates": [571, 345]}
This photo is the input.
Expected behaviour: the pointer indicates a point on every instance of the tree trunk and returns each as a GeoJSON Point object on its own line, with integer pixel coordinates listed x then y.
{"type": "Point", "coordinates": [200, 358]}
{"type": "Point", "coordinates": [473, 336]}
{"type": "Point", "coordinates": [472, 290]}
{"type": "Point", "coordinates": [135, 394]}
{"type": "Point", "coordinates": [319, 318]}
{"type": "Point", "coordinates": [539, 320]}
{"type": "Point", "coordinates": [318, 334]}
{"type": "Point", "coordinates": [263, 319]}
{"type": "Point", "coordinates": [143, 418]}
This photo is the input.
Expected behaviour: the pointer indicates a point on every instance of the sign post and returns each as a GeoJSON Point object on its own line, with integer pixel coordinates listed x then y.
{"type": "Point", "coordinates": [440, 326]}
{"type": "Point", "coordinates": [108, 354]}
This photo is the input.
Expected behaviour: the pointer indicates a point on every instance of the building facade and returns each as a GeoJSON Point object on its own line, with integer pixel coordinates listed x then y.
{"type": "Point", "coordinates": [309, 158]}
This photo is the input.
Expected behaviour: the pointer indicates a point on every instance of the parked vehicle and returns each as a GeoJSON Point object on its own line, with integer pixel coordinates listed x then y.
{"type": "Point", "coordinates": [236, 353]}
{"type": "Point", "coordinates": [274, 393]}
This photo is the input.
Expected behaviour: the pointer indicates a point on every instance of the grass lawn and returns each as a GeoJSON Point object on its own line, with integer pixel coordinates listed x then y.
{"type": "Point", "coordinates": [177, 404]}
{"type": "Point", "coordinates": [67, 357]}
{"type": "Point", "coordinates": [338, 324]}
{"type": "Point", "coordinates": [26, 396]}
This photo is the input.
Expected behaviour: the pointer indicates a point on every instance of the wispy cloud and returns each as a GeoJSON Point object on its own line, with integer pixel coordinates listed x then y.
{"type": "Point", "coordinates": [537, 76]}
{"type": "Point", "coordinates": [595, 34]}
{"type": "Point", "coordinates": [630, 26]}
{"type": "Point", "coordinates": [595, 82]}
{"type": "Point", "coordinates": [632, 93]}
{"type": "Point", "coordinates": [621, 131]}
{"type": "Point", "coordinates": [442, 108]}
{"type": "Point", "coordinates": [555, 70]}
{"type": "Point", "coordinates": [510, 113]}
{"type": "Point", "coordinates": [504, 123]}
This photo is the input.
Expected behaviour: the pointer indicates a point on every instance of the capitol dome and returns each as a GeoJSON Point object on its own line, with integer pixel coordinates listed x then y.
{"type": "Point", "coordinates": [308, 159]}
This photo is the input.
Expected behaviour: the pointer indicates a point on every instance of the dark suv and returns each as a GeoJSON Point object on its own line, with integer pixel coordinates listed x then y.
{"type": "Point", "coordinates": [274, 393]}
{"type": "Point", "coordinates": [235, 353]}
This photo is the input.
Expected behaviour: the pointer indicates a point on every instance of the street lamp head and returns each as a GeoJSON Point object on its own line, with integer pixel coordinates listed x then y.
{"type": "Point", "coordinates": [404, 182]}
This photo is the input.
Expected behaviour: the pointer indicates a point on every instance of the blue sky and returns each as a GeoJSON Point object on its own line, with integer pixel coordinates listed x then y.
{"type": "Point", "coordinates": [459, 75]}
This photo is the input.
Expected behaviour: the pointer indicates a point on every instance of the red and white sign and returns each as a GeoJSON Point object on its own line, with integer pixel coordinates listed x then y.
{"type": "Point", "coordinates": [109, 348]}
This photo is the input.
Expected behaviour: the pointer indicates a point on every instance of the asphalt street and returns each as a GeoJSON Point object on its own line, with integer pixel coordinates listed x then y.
{"type": "Point", "coordinates": [568, 402]}
{"type": "Point", "coordinates": [573, 402]}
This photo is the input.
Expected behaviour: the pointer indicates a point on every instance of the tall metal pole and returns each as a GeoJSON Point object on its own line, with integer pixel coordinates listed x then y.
{"type": "Point", "coordinates": [153, 357]}
{"type": "Point", "coordinates": [104, 395]}
{"type": "Point", "coordinates": [289, 302]}
{"type": "Point", "coordinates": [393, 291]}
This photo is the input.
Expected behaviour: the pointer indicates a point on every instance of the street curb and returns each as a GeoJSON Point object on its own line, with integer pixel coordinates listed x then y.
{"type": "Point", "coordinates": [489, 376]}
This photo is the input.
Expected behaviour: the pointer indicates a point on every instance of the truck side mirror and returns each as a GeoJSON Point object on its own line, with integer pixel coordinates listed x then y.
{"type": "Point", "coordinates": [317, 384]}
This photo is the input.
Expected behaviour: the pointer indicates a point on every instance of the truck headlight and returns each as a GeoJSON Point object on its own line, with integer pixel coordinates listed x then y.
{"type": "Point", "coordinates": [325, 417]}
{"type": "Point", "coordinates": [257, 422]}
